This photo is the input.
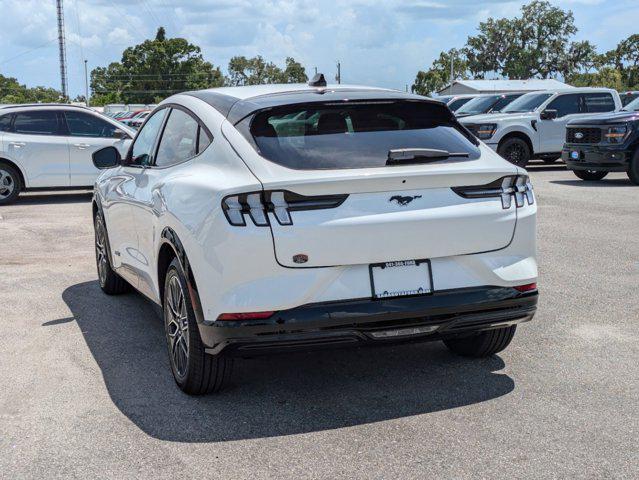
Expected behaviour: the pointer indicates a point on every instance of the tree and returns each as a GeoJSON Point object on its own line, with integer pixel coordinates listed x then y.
{"type": "Point", "coordinates": [536, 44]}
{"type": "Point", "coordinates": [153, 70]}
{"type": "Point", "coordinates": [11, 91]}
{"type": "Point", "coordinates": [438, 76]}
{"type": "Point", "coordinates": [256, 71]}
{"type": "Point", "coordinates": [625, 58]}
{"type": "Point", "coordinates": [605, 77]}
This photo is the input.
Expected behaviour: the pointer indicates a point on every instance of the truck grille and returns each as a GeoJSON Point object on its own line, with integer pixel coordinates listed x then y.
{"type": "Point", "coordinates": [583, 135]}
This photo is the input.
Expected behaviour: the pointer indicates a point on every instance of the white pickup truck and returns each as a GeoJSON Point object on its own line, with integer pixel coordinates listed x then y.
{"type": "Point", "coordinates": [534, 125]}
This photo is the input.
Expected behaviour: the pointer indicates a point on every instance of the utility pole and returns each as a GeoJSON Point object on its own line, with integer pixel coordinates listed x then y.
{"type": "Point", "coordinates": [86, 84]}
{"type": "Point", "coordinates": [338, 77]}
{"type": "Point", "coordinates": [452, 72]}
{"type": "Point", "coordinates": [315, 70]}
{"type": "Point", "coordinates": [63, 51]}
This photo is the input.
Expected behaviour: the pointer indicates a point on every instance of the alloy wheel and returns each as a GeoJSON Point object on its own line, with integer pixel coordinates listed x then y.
{"type": "Point", "coordinates": [177, 327]}
{"type": "Point", "coordinates": [7, 184]}
{"type": "Point", "coordinates": [100, 252]}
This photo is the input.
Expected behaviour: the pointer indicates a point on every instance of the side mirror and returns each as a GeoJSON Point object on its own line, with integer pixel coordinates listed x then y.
{"type": "Point", "coordinates": [548, 114]}
{"type": "Point", "coordinates": [121, 134]}
{"type": "Point", "coordinates": [107, 157]}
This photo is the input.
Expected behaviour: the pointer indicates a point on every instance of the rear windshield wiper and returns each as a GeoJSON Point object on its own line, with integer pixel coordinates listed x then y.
{"type": "Point", "coordinates": [406, 156]}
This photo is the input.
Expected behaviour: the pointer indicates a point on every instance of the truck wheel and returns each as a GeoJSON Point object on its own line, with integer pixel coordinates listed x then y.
{"type": "Point", "coordinates": [516, 151]}
{"type": "Point", "coordinates": [590, 175]}
{"type": "Point", "coordinates": [10, 185]}
{"type": "Point", "coordinates": [633, 169]}
{"type": "Point", "coordinates": [195, 371]}
{"type": "Point", "coordinates": [483, 344]}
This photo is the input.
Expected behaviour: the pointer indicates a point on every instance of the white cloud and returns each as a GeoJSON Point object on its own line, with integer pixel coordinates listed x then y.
{"type": "Point", "coordinates": [377, 42]}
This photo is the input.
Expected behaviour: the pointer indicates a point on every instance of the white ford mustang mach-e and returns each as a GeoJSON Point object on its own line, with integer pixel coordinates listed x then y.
{"type": "Point", "coordinates": [281, 217]}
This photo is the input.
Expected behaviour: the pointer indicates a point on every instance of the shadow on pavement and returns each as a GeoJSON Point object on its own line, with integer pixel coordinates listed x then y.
{"type": "Point", "coordinates": [613, 182]}
{"type": "Point", "coordinates": [43, 198]}
{"type": "Point", "coordinates": [270, 396]}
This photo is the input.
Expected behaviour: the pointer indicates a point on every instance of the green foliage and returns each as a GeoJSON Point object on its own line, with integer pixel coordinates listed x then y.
{"type": "Point", "coordinates": [536, 44]}
{"type": "Point", "coordinates": [256, 71]}
{"type": "Point", "coordinates": [11, 91]}
{"type": "Point", "coordinates": [153, 70]}
{"type": "Point", "coordinates": [438, 75]}
{"type": "Point", "coordinates": [604, 77]}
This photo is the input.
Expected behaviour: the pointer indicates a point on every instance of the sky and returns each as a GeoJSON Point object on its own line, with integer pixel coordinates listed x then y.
{"type": "Point", "coordinates": [382, 43]}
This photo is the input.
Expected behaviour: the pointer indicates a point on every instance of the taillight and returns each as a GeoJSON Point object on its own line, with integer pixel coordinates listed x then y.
{"type": "Point", "coordinates": [257, 205]}
{"type": "Point", "coordinates": [529, 287]}
{"type": "Point", "coordinates": [517, 186]}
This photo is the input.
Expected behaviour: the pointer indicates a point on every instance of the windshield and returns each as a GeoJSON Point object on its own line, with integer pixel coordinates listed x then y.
{"type": "Point", "coordinates": [527, 103]}
{"type": "Point", "coordinates": [632, 106]}
{"type": "Point", "coordinates": [357, 135]}
{"type": "Point", "coordinates": [478, 105]}
{"type": "Point", "coordinates": [458, 102]}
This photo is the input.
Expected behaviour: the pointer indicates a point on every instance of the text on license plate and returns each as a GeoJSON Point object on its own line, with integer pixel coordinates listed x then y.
{"type": "Point", "coordinates": [399, 279]}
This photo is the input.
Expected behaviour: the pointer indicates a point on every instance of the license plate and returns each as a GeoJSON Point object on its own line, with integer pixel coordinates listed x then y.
{"type": "Point", "coordinates": [401, 279]}
{"type": "Point", "coordinates": [574, 155]}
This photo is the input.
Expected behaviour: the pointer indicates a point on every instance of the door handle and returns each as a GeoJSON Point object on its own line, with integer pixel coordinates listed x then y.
{"type": "Point", "coordinates": [17, 144]}
{"type": "Point", "coordinates": [81, 146]}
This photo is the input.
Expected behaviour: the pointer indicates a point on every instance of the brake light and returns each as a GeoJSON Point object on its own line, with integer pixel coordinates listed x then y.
{"type": "Point", "coordinates": [245, 316]}
{"type": "Point", "coordinates": [258, 205]}
{"type": "Point", "coordinates": [517, 186]}
{"type": "Point", "coordinates": [529, 287]}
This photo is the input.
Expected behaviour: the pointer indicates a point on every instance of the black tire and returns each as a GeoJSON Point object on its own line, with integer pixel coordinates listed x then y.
{"type": "Point", "coordinates": [590, 175]}
{"type": "Point", "coordinates": [194, 371]}
{"type": "Point", "coordinates": [633, 169]}
{"type": "Point", "coordinates": [110, 282]}
{"type": "Point", "coordinates": [10, 184]}
{"type": "Point", "coordinates": [515, 150]}
{"type": "Point", "coordinates": [483, 344]}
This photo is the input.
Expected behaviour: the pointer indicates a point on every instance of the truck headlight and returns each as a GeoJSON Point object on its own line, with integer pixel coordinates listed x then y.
{"type": "Point", "coordinates": [616, 134]}
{"type": "Point", "coordinates": [486, 130]}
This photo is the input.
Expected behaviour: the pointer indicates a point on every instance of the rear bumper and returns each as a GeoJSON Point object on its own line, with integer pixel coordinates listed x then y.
{"type": "Point", "coordinates": [593, 157]}
{"type": "Point", "coordinates": [366, 321]}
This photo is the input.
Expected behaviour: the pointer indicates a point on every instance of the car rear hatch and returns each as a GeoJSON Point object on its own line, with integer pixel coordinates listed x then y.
{"type": "Point", "coordinates": [340, 188]}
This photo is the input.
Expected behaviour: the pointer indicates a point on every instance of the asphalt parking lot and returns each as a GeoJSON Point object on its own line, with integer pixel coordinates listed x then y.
{"type": "Point", "coordinates": [87, 392]}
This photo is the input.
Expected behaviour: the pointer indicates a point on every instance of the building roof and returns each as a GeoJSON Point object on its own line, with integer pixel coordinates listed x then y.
{"type": "Point", "coordinates": [511, 85]}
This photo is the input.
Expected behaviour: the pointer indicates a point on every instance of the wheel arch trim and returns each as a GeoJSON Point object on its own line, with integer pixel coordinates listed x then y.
{"type": "Point", "coordinates": [171, 239]}
{"type": "Point", "coordinates": [11, 163]}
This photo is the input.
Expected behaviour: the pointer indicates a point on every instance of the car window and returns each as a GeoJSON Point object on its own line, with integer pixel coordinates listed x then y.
{"type": "Point", "coordinates": [204, 140]}
{"type": "Point", "coordinates": [83, 124]}
{"type": "Point", "coordinates": [527, 103]}
{"type": "Point", "coordinates": [478, 105]}
{"type": "Point", "coordinates": [179, 139]}
{"type": "Point", "coordinates": [330, 136]}
{"type": "Point", "coordinates": [142, 149]}
{"type": "Point", "coordinates": [5, 123]}
{"type": "Point", "coordinates": [566, 104]}
{"type": "Point", "coordinates": [455, 104]}
{"type": "Point", "coordinates": [503, 101]}
{"type": "Point", "coordinates": [599, 102]}
{"type": "Point", "coordinates": [43, 122]}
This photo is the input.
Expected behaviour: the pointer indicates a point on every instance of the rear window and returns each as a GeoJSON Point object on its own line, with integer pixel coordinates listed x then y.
{"type": "Point", "coordinates": [356, 135]}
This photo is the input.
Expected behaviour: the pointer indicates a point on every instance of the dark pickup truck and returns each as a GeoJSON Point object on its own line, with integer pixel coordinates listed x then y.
{"type": "Point", "coordinates": [604, 143]}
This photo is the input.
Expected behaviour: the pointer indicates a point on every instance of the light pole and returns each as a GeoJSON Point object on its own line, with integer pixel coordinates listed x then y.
{"type": "Point", "coordinates": [86, 84]}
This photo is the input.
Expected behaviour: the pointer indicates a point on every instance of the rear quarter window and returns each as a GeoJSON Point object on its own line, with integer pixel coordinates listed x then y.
{"type": "Point", "coordinates": [355, 135]}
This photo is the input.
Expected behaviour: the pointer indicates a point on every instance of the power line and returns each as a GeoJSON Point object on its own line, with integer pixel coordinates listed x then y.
{"type": "Point", "coordinates": [27, 51]}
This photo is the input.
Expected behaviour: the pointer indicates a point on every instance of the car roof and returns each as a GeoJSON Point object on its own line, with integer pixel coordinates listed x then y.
{"type": "Point", "coordinates": [18, 106]}
{"type": "Point", "coordinates": [236, 103]}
